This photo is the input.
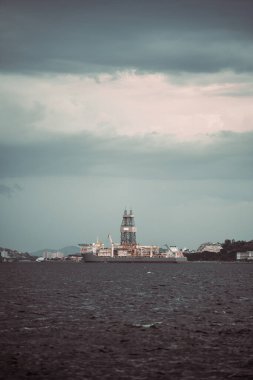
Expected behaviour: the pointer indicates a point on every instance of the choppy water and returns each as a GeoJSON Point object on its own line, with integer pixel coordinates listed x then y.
{"type": "Point", "coordinates": [126, 321]}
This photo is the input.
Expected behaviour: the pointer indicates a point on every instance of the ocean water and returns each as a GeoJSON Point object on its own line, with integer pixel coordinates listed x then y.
{"type": "Point", "coordinates": [126, 321]}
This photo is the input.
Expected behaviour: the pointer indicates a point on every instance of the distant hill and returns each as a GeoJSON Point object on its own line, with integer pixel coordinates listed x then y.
{"type": "Point", "coordinates": [66, 250]}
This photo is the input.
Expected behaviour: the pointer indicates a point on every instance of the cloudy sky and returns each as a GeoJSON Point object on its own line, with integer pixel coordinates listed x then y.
{"type": "Point", "coordinates": [107, 104]}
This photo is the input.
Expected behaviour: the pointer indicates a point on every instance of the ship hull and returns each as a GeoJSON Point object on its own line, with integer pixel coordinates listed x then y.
{"type": "Point", "coordinates": [91, 258]}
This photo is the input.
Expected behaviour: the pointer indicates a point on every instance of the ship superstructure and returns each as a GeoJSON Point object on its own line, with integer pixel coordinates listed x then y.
{"type": "Point", "coordinates": [128, 229]}
{"type": "Point", "coordinates": [128, 250]}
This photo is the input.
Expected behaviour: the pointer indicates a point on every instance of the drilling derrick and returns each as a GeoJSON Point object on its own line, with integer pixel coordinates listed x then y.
{"type": "Point", "coordinates": [128, 229]}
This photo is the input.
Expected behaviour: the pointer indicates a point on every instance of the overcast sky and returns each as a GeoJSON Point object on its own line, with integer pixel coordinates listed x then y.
{"type": "Point", "coordinates": [113, 104]}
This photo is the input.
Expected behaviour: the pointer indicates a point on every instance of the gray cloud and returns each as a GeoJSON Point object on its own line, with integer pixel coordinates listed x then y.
{"type": "Point", "coordinates": [8, 191]}
{"type": "Point", "coordinates": [16, 121]}
{"type": "Point", "coordinates": [5, 190]}
{"type": "Point", "coordinates": [88, 36]}
{"type": "Point", "coordinates": [229, 156]}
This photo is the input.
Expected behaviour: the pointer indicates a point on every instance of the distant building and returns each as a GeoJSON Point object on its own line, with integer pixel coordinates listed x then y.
{"type": "Point", "coordinates": [174, 251]}
{"type": "Point", "coordinates": [5, 254]}
{"type": "Point", "coordinates": [210, 247]}
{"type": "Point", "coordinates": [53, 255]}
{"type": "Point", "coordinates": [244, 256]}
{"type": "Point", "coordinates": [6, 257]}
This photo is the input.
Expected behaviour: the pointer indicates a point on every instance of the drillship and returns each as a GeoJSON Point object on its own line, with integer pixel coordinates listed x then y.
{"type": "Point", "coordinates": [128, 251]}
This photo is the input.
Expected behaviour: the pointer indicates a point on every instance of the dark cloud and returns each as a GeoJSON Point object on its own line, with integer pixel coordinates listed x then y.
{"type": "Point", "coordinates": [88, 36]}
{"type": "Point", "coordinates": [229, 156]}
